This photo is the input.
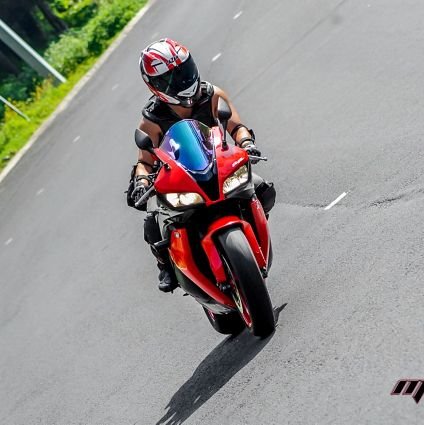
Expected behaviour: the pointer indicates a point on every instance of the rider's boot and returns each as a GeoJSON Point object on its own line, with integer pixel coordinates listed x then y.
{"type": "Point", "coordinates": [167, 279]}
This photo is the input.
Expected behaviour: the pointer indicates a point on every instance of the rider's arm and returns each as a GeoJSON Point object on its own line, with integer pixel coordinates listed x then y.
{"type": "Point", "coordinates": [242, 132]}
{"type": "Point", "coordinates": [145, 159]}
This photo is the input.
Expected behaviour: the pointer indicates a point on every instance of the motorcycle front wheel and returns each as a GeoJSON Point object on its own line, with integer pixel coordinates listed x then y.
{"type": "Point", "coordinates": [225, 323]}
{"type": "Point", "coordinates": [249, 290]}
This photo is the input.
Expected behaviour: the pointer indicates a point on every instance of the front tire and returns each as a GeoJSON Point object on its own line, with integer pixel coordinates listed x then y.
{"type": "Point", "coordinates": [250, 292]}
{"type": "Point", "coordinates": [225, 323]}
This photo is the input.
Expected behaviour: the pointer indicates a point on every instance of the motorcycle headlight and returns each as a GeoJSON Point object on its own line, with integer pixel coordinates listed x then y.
{"type": "Point", "coordinates": [184, 199]}
{"type": "Point", "coordinates": [238, 178]}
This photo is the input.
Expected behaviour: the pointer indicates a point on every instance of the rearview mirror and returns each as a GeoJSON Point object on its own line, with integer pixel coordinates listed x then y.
{"type": "Point", "coordinates": [143, 141]}
{"type": "Point", "coordinates": [224, 110]}
{"type": "Point", "coordinates": [224, 114]}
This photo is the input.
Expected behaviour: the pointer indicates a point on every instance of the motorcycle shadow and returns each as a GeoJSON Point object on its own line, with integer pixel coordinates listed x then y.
{"type": "Point", "coordinates": [229, 357]}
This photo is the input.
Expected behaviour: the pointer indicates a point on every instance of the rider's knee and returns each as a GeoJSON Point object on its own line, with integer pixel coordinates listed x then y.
{"type": "Point", "coordinates": [151, 229]}
{"type": "Point", "coordinates": [266, 194]}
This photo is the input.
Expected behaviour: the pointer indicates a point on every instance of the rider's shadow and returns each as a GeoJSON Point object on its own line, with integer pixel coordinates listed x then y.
{"type": "Point", "coordinates": [230, 356]}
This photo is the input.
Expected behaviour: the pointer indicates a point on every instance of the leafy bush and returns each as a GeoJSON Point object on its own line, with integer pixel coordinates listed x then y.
{"type": "Point", "coordinates": [111, 18]}
{"type": "Point", "coordinates": [15, 131]}
{"type": "Point", "coordinates": [73, 55]}
{"type": "Point", "coordinates": [19, 88]}
{"type": "Point", "coordinates": [74, 47]}
{"type": "Point", "coordinates": [76, 13]}
{"type": "Point", "coordinates": [68, 52]}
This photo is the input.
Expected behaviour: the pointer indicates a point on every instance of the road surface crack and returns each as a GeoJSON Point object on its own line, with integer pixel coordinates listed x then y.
{"type": "Point", "coordinates": [405, 197]}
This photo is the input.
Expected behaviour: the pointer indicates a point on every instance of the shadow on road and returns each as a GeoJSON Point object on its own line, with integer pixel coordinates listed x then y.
{"type": "Point", "coordinates": [230, 356]}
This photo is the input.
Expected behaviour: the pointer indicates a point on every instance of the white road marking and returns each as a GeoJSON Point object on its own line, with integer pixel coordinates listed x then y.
{"type": "Point", "coordinates": [216, 57]}
{"type": "Point", "coordinates": [76, 139]}
{"type": "Point", "coordinates": [115, 87]}
{"type": "Point", "coordinates": [40, 191]}
{"type": "Point", "coordinates": [9, 241]}
{"type": "Point", "coordinates": [335, 201]}
{"type": "Point", "coordinates": [237, 15]}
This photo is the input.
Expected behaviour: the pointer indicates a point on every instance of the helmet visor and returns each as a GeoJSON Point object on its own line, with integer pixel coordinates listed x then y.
{"type": "Point", "coordinates": [177, 79]}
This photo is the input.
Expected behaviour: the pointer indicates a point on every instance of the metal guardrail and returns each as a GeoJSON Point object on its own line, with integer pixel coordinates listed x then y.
{"type": "Point", "coordinates": [14, 108]}
{"type": "Point", "coordinates": [27, 53]}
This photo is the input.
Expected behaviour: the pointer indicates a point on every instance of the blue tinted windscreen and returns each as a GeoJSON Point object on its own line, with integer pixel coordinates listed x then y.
{"type": "Point", "coordinates": [190, 143]}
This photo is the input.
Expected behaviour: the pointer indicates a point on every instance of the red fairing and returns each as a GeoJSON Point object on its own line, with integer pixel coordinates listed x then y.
{"type": "Point", "coordinates": [180, 252]}
{"type": "Point", "coordinates": [228, 160]}
{"type": "Point", "coordinates": [261, 224]}
{"type": "Point", "coordinates": [254, 245]}
{"type": "Point", "coordinates": [176, 179]}
{"type": "Point", "coordinates": [214, 258]}
{"type": "Point", "coordinates": [210, 249]}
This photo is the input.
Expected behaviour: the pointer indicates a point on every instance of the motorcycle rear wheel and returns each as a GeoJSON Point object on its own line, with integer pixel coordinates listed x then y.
{"type": "Point", "coordinates": [250, 292]}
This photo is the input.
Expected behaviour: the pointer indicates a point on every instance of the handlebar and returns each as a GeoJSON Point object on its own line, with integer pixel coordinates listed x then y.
{"type": "Point", "coordinates": [145, 196]}
{"type": "Point", "coordinates": [152, 187]}
{"type": "Point", "coordinates": [258, 158]}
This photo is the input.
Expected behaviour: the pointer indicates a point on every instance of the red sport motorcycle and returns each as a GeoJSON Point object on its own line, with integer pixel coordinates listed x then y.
{"type": "Point", "coordinates": [212, 223]}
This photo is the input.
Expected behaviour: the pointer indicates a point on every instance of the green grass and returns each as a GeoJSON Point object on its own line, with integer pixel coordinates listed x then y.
{"type": "Point", "coordinates": [15, 131]}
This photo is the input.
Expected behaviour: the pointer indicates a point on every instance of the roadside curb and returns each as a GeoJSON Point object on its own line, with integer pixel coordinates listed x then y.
{"type": "Point", "coordinates": [76, 89]}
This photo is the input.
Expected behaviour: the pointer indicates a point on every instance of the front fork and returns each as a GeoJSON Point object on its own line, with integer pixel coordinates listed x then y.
{"type": "Point", "coordinates": [260, 243]}
{"type": "Point", "coordinates": [180, 251]}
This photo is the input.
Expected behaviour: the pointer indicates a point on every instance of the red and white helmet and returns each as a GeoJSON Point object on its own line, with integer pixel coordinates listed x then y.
{"type": "Point", "coordinates": [168, 69]}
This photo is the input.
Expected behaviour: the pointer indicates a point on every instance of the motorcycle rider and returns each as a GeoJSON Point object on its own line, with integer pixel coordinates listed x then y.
{"type": "Point", "coordinates": [171, 74]}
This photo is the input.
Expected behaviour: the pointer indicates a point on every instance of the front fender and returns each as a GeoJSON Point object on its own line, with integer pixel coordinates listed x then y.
{"type": "Point", "coordinates": [180, 253]}
{"type": "Point", "coordinates": [210, 248]}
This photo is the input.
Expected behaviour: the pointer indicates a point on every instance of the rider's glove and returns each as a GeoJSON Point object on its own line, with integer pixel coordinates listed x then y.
{"type": "Point", "coordinates": [140, 190]}
{"type": "Point", "coordinates": [251, 149]}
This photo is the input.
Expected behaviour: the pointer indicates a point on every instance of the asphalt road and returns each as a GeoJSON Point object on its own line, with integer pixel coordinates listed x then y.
{"type": "Point", "coordinates": [334, 91]}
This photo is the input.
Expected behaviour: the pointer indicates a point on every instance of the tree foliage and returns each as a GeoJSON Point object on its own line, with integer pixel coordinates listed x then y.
{"type": "Point", "coordinates": [91, 24]}
{"type": "Point", "coordinates": [76, 13]}
{"type": "Point", "coordinates": [40, 22]}
{"type": "Point", "coordinates": [33, 20]}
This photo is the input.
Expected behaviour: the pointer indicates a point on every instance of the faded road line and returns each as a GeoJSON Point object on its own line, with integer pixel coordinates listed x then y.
{"type": "Point", "coordinates": [216, 57]}
{"type": "Point", "coordinates": [335, 201]}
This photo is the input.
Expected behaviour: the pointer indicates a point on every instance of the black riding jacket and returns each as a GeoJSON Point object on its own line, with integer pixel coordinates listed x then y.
{"type": "Point", "coordinates": [161, 114]}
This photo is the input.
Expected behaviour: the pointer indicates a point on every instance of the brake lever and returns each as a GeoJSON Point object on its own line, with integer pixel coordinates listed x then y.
{"type": "Point", "coordinates": [258, 158]}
